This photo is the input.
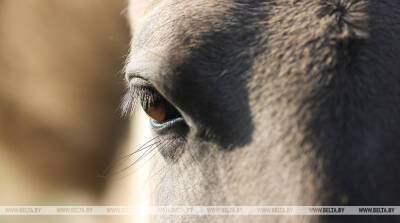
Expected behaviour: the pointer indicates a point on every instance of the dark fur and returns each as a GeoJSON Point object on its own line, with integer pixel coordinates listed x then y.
{"type": "Point", "coordinates": [292, 102]}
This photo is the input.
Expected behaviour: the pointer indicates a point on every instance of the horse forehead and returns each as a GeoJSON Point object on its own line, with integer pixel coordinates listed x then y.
{"type": "Point", "coordinates": [140, 10]}
{"type": "Point", "coordinates": [162, 26]}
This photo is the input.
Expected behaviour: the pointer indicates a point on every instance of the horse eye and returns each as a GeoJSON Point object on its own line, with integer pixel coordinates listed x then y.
{"type": "Point", "coordinates": [158, 108]}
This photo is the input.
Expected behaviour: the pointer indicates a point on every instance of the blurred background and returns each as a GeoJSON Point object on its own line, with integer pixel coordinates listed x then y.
{"type": "Point", "coordinates": [60, 89]}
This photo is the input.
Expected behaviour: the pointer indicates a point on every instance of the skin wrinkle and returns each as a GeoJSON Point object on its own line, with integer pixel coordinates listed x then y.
{"type": "Point", "coordinates": [303, 93]}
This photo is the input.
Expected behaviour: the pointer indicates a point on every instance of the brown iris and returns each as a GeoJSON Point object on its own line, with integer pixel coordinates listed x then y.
{"type": "Point", "coordinates": [157, 108]}
{"type": "Point", "coordinates": [158, 111]}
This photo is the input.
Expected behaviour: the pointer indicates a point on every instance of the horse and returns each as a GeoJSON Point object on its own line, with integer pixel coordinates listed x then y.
{"type": "Point", "coordinates": [267, 102]}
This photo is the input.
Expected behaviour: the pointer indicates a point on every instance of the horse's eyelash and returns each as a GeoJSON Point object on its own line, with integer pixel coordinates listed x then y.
{"type": "Point", "coordinates": [143, 95]}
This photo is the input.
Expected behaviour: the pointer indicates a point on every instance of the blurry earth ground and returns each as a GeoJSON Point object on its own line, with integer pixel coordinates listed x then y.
{"type": "Point", "coordinates": [60, 89]}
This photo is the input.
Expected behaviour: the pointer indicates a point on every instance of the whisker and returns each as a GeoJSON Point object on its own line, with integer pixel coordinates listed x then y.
{"type": "Point", "coordinates": [142, 156]}
{"type": "Point", "coordinates": [141, 148]}
{"type": "Point", "coordinates": [163, 169]}
{"type": "Point", "coordinates": [146, 146]}
{"type": "Point", "coordinates": [161, 145]}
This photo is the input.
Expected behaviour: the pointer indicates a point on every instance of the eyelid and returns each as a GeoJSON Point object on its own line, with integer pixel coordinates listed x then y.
{"type": "Point", "coordinates": [140, 91]}
{"type": "Point", "coordinates": [143, 65]}
{"type": "Point", "coordinates": [135, 80]}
